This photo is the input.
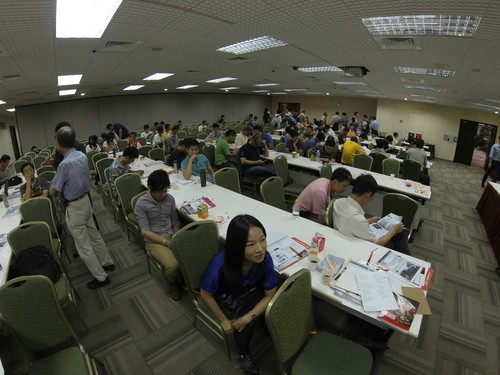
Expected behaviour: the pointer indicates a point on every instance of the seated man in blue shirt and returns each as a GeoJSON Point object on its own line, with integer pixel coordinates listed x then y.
{"type": "Point", "coordinates": [295, 143]}
{"type": "Point", "coordinates": [250, 158]}
{"type": "Point", "coordinates": [265, 136]}
{"type": "Point", "coordinates": [195, 162]}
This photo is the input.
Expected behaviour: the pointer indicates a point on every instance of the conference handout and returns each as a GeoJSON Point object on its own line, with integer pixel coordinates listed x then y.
{"type": "Point", "coordinates": [384, 225]}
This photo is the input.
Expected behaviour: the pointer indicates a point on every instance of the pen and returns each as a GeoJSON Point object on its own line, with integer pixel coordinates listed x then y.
{"type": "Point", "coordinates": [371, 255]}
{"type": "Point", "coordinates": [342, 270]}
{"type": "Point", "coordinates": [295, 251]}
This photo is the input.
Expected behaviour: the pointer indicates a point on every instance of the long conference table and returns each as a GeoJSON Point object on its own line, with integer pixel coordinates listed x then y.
{"type": "Point", "coordinates": [228, 204]}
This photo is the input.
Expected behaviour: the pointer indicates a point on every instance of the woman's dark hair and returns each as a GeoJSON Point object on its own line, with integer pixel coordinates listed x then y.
{"type": "Point", "coordinates": [93, 141]}
{"type": "Point", "coordinates": [158, 180]}
{"type": "Point", "coordinates": [236, 241]}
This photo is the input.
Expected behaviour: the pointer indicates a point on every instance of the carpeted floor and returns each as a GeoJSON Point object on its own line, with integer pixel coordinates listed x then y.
{"type": "Point", "coordinates": [136, 329]}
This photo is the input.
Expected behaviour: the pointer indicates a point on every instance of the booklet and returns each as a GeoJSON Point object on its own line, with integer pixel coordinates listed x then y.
{"type": "Point", "coordinates": [285, 250]}
{"type": "Point", "coordinates": [402, 266]}
{"type": "Point", "coordinates": [404, 315]}
{"type": "Point", "coordinates": [11, 211]}
{"type": "Point", "coordinates": [384, 225]}
{"type": "Point", "coordinates": [192, 207]}
{"type": "Point", "coordinates": [333, 261]}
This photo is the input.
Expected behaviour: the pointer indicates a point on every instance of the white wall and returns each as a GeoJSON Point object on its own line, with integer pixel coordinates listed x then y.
{"type": "Point", "coordinates": [5, 140]}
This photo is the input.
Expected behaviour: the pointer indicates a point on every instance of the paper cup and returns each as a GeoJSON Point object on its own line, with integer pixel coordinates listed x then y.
{"type": "Point", "coordinates": [313, 262]}
{"type": "Point", "coordinates": [392, 176]}
{"type": "Point", "coordinates": [294, 154]}
{"type": "Point", "coordinates": [326, 275]}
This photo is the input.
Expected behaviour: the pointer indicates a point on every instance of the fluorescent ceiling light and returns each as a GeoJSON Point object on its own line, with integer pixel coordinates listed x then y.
{"type": "Point", "coordinates": [11, 110]}
{"type": "Point", "coordinates": [157, 76]}
{"type": "Point", "coordinates": [422, 25]}
{"type": "Point", "coordinates": [266, 84]}
{"type": "Point", "coordinates": [2, 102]}
{"type": "Point", "coordinates": [314, 93]}
{"type": "Point", "coordinates": [260, 91]}
{"type": "Point", "coordinates": [356, 83]}
{"type": "Point", "coordinates": [425, 71]}
{"type": "Point", "coordinates": [423, 97]}
{"type": "Point", "coordinates": [67, 92]}
{"type": "Point", "coordinates": [229, 88]}
{"type": "Point", "coordinates": [252, 45]}
{"type": "Point", "coordinates": [222, 79]}
{"type": "Point", "coordinates": [133, 87]}
{"type": "Point", "coordinates": [491, 100]}
{"type": "Point", "coordinates": [279, 93]}
{"type": "Point", "coordinates": [426, 88]}
{"type": "Point", "coordinates": [84, 18]}
{"type": "Point", "coordinates": [320, 69]}
{"type": "Point", "coordinates": [424, 100]}
{"type": "Point", "coordinates": [479, 105]}
{"type": "Point", "coordinates": [73, 79]}
{"type": "Point", "coordinates": [367, 91]}
{"type": "Point", "coordinates": [294, 90]}
{"type": "Point", "coordinates": [186, 87]}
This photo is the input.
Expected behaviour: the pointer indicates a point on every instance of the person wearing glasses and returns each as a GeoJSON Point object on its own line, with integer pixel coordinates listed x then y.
{"type": "Point", "coordinates": [158, 221]}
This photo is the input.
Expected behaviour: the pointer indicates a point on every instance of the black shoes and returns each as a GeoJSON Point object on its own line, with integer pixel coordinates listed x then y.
{"type": "Point", "coordinates": [94, 284]}
{"type": "Point", "coordinates": [248, 365]}
{"type": "Point", "coordinates": [109, 267]}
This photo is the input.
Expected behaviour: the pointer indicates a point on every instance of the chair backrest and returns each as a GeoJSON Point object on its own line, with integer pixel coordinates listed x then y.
{"type": "Point", "coordinates": [362, 161]}
{"type": "Point", "coordinates": [378, 159]}
{"type": "Point", "coordinates": [39, 209]}
{"type": "Point", "coordinates": [281, 167]}
{"type": "Point", "coordinates": [181, 134]}
{"type": "Point", "coordinates": [411, 169]}
{"type": "Point", "coordinates": [122, 143]}
{"type": "Point", "coordinates": [391, 166]}
{"type": "Point", "coordinates": [289, 316]}
{"type": "Point", "coordinates": [156, 154]}
{"type": "Point", "coordinates": [33, 314]}
{"type": "Point", "coordinates": [329, 211]}
{"type": "Point", "coordinates": [194, 245]}
{"type": "Point", "coordinates": [97, 157]}
{"type": "Point", "coordinates": [135, 198]}
{"type": "Point", "coordinates": [37, 161]}
{"type": "Point", "coordinates": [44, 152]}
{"type": "Point", "coordinates": [127, 186]}
{"type": "Point", "coordinates": [30, 154]}
{"type": "Point", "coordinates": [26, 158]}
{"type": "Point", "coordinates": [280, 147]}
{"type": "Point", "coordinates": [31, 234]}
{"type": "Point", "coordinates": [144, 150]}
{"type": "Point", "coordinates": [326, 171]}
{"type": "Point", "coordinates": [401, 205]}
{"type": "Point", "coordinates": [142, 140]}
{"type": "Point", "coordinates": [90, 154]}
{"type": "Point", "coordinates": [272, 192]}
{"type": "Point", "coordinates": [209, 152]}
{"type": "Point", "coordinates": [228, 178]}
{"type": "Point", "coordinates": [47, 175]}
{"type": "Point", "coordinates": [202, 135]}
{"type": "Point", "coordinates": [17, 165]}
{"type": "Point", "coordinates": [101, 166]}
{"type": "Point", "coordinates": [44, 168]}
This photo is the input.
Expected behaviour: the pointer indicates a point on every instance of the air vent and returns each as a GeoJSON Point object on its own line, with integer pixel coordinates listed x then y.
{"type": "Point", "coordinates": [192, 71]}
{"type": "Point", "coordinates": [239, 60]}
{"type": "Point", "coordinates": [117, 46]}
{"type": "Point", "coordinates": [412, 80]}
{"type": "Point", "coordinates": [10, 77]}
{"type": "Point", "coordinates": [403, 43]}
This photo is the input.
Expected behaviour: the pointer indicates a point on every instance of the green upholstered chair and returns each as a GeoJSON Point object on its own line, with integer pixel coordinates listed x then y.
{"type": "Point", "coordinates": [128, 186]}
{"type": "Point", "coordinates": [144, 150]}
{"type": "Point", "coordinates": [401, 205]}
{"type": "Point", "coordinates": [280, 147]}
{"type": "Point", "coordinates": [209, 152]}
{"type": "Point", "coordinates": [326, 171]}
{"type": "Point", "coordinates": [247, 181]}
{"type": "Point", "coordinates": [362, 161]}
{"type": "Point", "coordinates": [157, 154]}
{"type": "Point", "coordinates": [378, 159]}
{"type": "Point", "coordinates": [17, 165]}
{"type": "Point", "coordinates": [194, 245]}
{"type": "Point", "coordinates": [37, 161]}
{"type": "Point", "coordinates": [181, 134]}
{"type": "Point", "coordinates": [51, 148]}
{"type": "Point", "coordinates": [95, 159]}
{"type": "Point", "coordinates": [30, 309]}
{"type": "Point", "coordinates": [272, 192]}
{"type": "Point", "coordinates": [37, 233]}
{"type": "Point", "coordinates": [289, 318]}
{"type": "Point", "coordinates": [391, 166]}
{"type": "Point", "coordinates": [281, 167]}
{"type": "Point", "coordinates": [202, 135]}
{"type": "Point", "coordinates": [47, 175]}
{"type": "Point", "coordinates": [228, 178]}
{"type": "Point", "coordinates": [30, 154]}
{"type": "Point", "coordinates": [100, 167]}
{"type": "Point", "coordinates": [90, 154]}
{"type": "Point", "coordinates": [122, 144]}
{"type": "Point", "coordinates": [329, 211]}
{"type": "Point", "coordinates": [44, 168]}
{"type": "Point", "coordinates": [142, 140]}
{"type": "Point", "coordinates": [411, 169]}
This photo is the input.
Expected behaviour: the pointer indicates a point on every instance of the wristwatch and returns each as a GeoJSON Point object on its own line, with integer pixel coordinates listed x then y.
{"type": "Point", "coordinates": [254, 317]}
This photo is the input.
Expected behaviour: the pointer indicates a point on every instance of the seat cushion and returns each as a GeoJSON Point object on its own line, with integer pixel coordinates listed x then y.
{"type": "Point", "coordinates": [62, 290]}
{"type": "Point", "coordinates": [67, 361]}
{"type": "Point", "coordinates": [293, 189]}
{"type": "Point", "coordinates": [326, 353]}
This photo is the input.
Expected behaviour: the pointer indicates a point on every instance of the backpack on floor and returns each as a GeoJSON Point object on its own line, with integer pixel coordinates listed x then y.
{"type": "Point", "coordinates": [36, 260]}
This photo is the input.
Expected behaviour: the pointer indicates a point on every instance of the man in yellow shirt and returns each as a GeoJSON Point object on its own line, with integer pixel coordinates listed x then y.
{"type": "Point", "coordinates": [350, 149]}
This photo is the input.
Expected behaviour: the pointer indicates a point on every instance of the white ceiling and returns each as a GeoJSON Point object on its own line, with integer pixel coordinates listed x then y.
{"type": "Point", "coordinates": [181, 37]}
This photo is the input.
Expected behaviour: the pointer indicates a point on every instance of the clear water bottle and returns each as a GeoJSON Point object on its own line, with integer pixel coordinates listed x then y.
{"type": "Point", "coordinates": [5, 200]}
{"type": "Point", "coordinates": [176, 168]}
{"type": "Point", "coordinates": [318, 155]}
{"type": "Point", "coordinates": [114, 152]}
{"type": "Point", "coordinates": [296, 209]}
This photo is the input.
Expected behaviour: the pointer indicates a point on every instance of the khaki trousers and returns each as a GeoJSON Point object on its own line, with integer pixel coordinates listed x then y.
{"type": "Point", "coordinates": [165, 256]}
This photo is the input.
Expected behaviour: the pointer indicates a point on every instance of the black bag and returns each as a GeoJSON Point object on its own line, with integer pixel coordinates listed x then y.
{"type": "Point", "coordinates": [241, 303]}
{"type": "Point", "coordinates": [402, 155]}
{"type": "Point", "coordinates": [36, 260]}
{"type": "Point", "coordinates": [15, 181]}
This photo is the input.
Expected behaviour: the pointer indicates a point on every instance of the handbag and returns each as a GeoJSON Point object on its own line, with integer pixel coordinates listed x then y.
{"type": "Point", "coordinates": [241, 303]}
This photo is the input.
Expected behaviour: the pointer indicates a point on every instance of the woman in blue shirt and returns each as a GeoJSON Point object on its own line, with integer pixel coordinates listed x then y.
{"type": "Point", "coordinates": [245, 264]}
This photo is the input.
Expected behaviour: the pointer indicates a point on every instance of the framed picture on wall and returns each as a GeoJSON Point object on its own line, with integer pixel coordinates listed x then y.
{"type": "Point", "coordinates": [294, 108]}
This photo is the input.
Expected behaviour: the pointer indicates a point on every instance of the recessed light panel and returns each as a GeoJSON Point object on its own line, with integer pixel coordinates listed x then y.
{"type": "Point", "coordinates": [157, 76]}
{"type": "Point", "coordinates": [73, 79]}
{"type": "Point", "coordinates": [67, 92]}
{"type": "Point", "coordinates": [222, 79]}
{"type": "Point", "coordinates": [11, 110]}
{"type": "Point", "coordinates": [320, 69]}
{"type": "Point", "coordinates": [425, 71]}
{"type": "Point", "coordinates": [260, 91]}
{"type": "Point", "coordinates": [252, 45]}
{"type": "Point", "coordinates": [491, 100]}
{"type": "Point", "coordinates": [294, 90]}
{"type": "Point", "coordinates": [229, 88]}
{"type": "Point", "coordinates": [423, 97]}
{"type": "Point", "coordinates": [266, 84]}
{"type": "Point", "coordinates": [426, 88]}
{"type": "Point", "coordinates": [186, 87]}
{"type": "Point", "coordinates": [84, 18]}
{"type": "Point", "coordinates": [2, 102]}
{"type": "Point", "coordinates": [422, 25]}
{"type": "Point", "coordinates": [133, 87]}
{"type": "Point", "coordinates": [353, 83]}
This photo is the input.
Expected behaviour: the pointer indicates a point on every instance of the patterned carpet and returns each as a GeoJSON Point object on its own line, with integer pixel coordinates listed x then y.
{"type": "Point", "coordinates": [136, 329]}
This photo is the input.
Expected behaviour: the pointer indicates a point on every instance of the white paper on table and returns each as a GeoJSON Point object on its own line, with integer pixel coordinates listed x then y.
{"type": "Point", "coordinates": [376, 292]}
